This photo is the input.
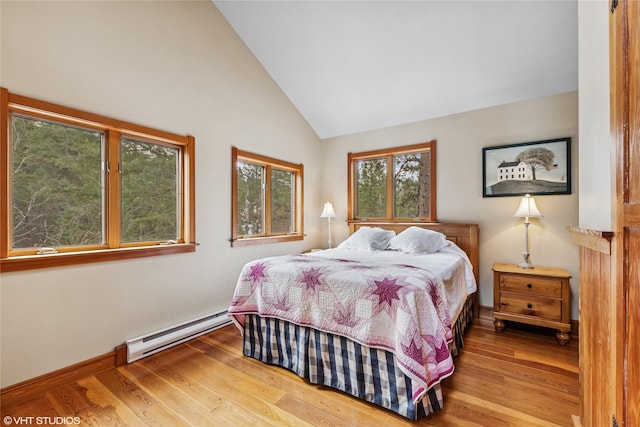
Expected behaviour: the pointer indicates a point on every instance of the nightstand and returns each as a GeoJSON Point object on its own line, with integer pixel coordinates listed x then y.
{"type": "Point", "coordinates": [538, 296]}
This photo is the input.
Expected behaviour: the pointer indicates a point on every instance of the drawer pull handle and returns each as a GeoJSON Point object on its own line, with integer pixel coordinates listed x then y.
{"type": "Point", "coordinates": [529, 305]}
{"type": "Point", "coordinates": [529, 285]}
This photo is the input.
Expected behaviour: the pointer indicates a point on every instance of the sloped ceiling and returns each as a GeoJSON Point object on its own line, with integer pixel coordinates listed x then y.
{"type": "Point", "coordinates": [352, 66]}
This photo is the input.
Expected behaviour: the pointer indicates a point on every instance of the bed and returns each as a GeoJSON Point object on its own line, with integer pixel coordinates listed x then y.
{"type": "Point", "coordinates": [380, 317]}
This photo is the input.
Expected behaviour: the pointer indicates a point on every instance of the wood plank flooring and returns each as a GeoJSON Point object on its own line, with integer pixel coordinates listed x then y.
{"type": "Point", "coordinates": [517, 378]}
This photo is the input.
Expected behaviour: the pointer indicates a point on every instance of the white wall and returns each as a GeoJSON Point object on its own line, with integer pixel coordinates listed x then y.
{"type": "Point", "coordinates": [596, 181]}
{"type": "Point", "coordinates": [460, 139]}
{"type": "Point", "coordinates": [176, 66]}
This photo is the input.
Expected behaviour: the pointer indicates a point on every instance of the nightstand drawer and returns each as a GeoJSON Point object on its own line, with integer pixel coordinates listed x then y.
{"type": "Point", "coordinates": [531, 285]}
{"type": "Point", "coordinates": [545, 308]}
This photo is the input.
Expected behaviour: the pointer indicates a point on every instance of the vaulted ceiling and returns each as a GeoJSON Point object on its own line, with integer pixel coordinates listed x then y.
{"type": "Point", "coordinates": [352, 66]}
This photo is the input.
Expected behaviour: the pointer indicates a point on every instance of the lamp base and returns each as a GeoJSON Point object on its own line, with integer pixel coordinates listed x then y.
{"type": "Point", "coordinates": [525, 256]}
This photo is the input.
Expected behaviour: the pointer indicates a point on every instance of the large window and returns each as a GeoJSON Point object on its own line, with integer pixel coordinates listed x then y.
{"type": "Point", "coordinates": [396, 184]}
{"type": "Point", "coordinates": [78, 187]}
{"type": "Point", "coordinates": [267, 199]}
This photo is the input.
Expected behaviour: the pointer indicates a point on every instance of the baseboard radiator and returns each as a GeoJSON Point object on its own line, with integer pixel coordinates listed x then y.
{"type": "Point", "coordinates": [146, 345]}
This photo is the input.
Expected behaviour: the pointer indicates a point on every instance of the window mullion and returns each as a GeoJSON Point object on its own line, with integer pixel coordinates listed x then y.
{"type": "Point", "coordinates": [112, 190]}
{"type": "Point", "coordinates": [267, 200]}
{"type": "Point", "coordinates": [390, 189]}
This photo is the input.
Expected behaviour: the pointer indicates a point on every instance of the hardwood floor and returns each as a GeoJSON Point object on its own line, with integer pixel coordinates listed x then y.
{"type": "Point", "coordinates": [517, 378]}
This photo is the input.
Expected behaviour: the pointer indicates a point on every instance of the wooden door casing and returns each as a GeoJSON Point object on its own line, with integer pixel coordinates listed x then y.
{"type": "Point", "coordinates": [624, 48]}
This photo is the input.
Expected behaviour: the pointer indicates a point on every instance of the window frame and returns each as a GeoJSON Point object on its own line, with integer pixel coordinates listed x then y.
{"type": "Point", "coordinates": [298, 204]}
{"type": "Point", "coordinates": [388, 154]}
{"type": "Point", "coordinates": [113, 249]}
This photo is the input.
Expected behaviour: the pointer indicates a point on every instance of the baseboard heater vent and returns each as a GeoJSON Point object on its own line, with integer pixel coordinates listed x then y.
{"type": "Point", "coordinates": [140, 347]}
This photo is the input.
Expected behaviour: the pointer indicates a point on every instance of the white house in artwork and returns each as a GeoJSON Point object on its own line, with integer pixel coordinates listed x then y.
{"type": "Point", "coordinates": [514, 171]}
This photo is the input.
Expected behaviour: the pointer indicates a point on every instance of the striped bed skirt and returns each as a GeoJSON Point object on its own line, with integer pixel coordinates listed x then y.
{"type": "Point", "coordinates": [367, 373]}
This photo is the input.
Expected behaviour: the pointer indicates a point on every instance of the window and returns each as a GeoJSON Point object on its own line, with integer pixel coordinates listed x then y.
{"type": "Point", "coordinates": [79, 188]}
{"type": "Point", "coordinates": [267, 199]}
{"type": "Point", "coordinates": [396, 184]}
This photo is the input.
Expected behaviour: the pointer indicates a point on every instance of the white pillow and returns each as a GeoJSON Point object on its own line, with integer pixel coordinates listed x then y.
{"type": "Point", "coordinates": [416, 240]}
{"type": "Point", "coordinates": [368, 239]}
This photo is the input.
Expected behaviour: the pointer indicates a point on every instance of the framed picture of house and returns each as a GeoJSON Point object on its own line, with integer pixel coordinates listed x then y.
{"type": "Point", "coordinates": [538, 167]}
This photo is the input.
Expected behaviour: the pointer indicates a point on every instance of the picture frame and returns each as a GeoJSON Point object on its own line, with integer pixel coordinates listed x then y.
{"type": "Point", "coordinates": [536, 168]}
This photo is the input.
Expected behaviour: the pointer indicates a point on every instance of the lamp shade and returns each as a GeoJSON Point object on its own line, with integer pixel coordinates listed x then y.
{"type": "Point", "coordinates": [527, 208]}
{"type": "Point", "coordinates": [328, 211]}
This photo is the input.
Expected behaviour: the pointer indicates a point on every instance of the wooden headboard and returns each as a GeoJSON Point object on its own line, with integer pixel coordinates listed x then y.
{"type": "Point", "coordinates": [463, 235]}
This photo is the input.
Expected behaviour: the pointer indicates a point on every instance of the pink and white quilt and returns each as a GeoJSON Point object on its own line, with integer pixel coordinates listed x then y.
{"type": "Point", "coordinates": [397, 307]}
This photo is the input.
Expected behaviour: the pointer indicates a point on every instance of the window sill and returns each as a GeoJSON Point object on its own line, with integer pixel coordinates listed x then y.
{"type": "Point", "coordinates": [32, 262]}
{"type": "Point", "coordinates": [252, 241]}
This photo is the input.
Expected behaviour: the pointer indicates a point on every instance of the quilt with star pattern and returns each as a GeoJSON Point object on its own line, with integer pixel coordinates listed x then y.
{"type": "Point", "coordinates": [401, 308]}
